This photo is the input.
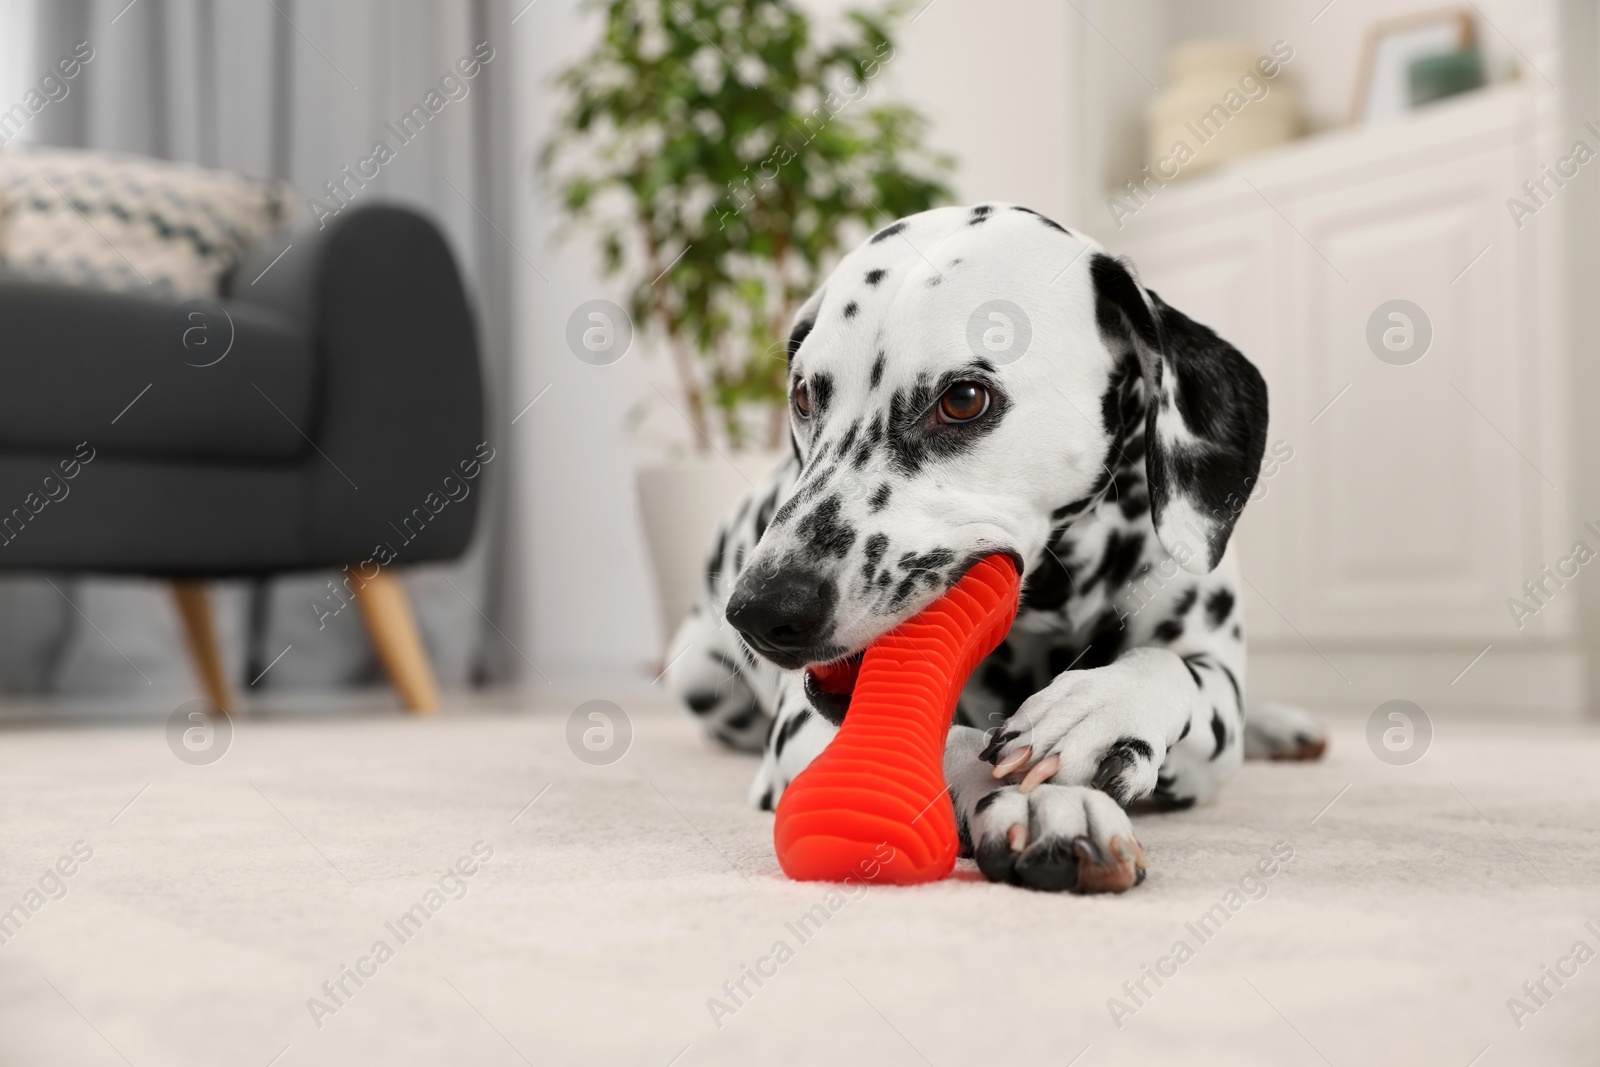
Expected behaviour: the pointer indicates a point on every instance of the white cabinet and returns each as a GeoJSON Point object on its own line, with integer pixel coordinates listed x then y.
{"type": "Point", "coordinates": [1419, 496]}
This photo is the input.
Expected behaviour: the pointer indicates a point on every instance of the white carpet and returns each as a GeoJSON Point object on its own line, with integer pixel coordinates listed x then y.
{"type": "Point", "coordinates": [223, 897]}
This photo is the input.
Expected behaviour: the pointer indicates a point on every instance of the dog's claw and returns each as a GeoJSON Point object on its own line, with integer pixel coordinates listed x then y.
{"type": "Point", "coordinates": [1012, 762]}
{"type": "Point", "coordinates": [1110, 770]}
{"type": "Point", "coordinates": [1040, 772]}
{"type": "Point", "coordinates": [1098, 872]}
{"type": "Point", "coordinates": [992, 752]}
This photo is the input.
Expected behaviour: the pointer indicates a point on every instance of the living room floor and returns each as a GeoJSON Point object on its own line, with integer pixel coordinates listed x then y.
{"type": "Point", "coordinates": [608, 906]}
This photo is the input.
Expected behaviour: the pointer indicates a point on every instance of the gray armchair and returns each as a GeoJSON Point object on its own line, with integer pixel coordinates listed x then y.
{"type": "Point", "coordinates": [327, 413]}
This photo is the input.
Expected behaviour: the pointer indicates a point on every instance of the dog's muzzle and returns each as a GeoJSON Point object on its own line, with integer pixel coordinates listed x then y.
{"type": "Point", "coordinates": [788, 617]}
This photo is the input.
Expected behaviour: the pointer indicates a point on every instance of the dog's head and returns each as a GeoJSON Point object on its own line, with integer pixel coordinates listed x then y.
{"type": "Point", "coordinates": [960, 387]}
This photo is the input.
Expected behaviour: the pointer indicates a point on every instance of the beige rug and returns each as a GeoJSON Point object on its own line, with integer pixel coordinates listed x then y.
{"type": "Point", "coordinates": [615, 918]}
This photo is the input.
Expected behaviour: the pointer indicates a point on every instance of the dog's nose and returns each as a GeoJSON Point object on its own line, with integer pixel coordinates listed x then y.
{"type": "Point", "coordinates": [784, 613]}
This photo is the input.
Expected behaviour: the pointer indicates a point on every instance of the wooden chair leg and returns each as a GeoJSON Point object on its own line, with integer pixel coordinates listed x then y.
{"type": "Point", "coordinates": [393, 630]}
{"type": "Point", "coordinates": [194, 608]}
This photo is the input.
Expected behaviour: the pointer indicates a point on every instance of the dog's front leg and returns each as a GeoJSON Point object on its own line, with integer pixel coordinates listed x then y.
{"type": "Point", "coordinates": [1109, 727]}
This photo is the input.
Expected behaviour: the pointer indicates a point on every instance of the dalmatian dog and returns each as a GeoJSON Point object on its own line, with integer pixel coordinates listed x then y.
{"type": "Point", "coordinates": [979, 381]}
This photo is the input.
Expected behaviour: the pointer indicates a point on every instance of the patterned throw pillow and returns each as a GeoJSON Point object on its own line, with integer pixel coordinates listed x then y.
{"type": "Point", "coordinates": [128, 223]}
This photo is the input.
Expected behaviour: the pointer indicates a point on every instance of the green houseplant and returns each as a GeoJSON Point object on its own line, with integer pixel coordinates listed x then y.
{"type": "Point", "coordinates": [724, 157]}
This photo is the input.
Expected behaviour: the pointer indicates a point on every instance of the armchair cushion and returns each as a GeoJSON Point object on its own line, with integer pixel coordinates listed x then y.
{"type": "Point", "coordinates": [135, 377]}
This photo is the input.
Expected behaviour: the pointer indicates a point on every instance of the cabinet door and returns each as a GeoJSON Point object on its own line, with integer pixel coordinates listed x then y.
{"type": "Point", "coordinates": [1418, 490]}
{"type": "Point", "coordinates": [1221, 274]}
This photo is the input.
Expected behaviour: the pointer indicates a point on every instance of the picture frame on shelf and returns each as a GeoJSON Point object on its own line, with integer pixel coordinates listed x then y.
{"type": "Point", "coordinates": [1382, 89]}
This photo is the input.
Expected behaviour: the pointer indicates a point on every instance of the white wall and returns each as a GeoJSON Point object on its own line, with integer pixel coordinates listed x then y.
{"type": "Point", "coordinates": [997, 83]}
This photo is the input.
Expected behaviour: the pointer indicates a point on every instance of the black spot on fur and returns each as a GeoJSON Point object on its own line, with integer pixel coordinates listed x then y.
{"type": "Point", "coordinates": [1218, 731]}
{"type": "Point", "coordinates": [824, 532]}
{"type": "Point", "coordinates": [796, 337]}
{"type": "Point", "coordinates": [1105, 644]}
{"type": "Point", "coordinates": [1238, 696]}
{"type": "Point", "coordinates": [935, 559]}
{"type": "Point", "coordinates": [1219, 605]}
{"type": "Point", "coordinates": [1185, 602]}
{"type": "Point", "coordinates": [877, 371]}
{"type": "Point", "coordinates": [821, 392]}
{"type": "Point", "coordinates": [985, 801]}
{"type": "Point", "coordinates": [875, 276]}
{"type": "Point", "coordinates": [847, 442]}
{"type": "Point", "coordinates": [1048, 586]}
{"type": "Point", "coordinates": [766, 799]}
{"type": "Point", "coordinates": [700, 703]}
{"type": "Point", "coordinates": [880, 497]}
{"type": "Point", "coordinates": [1238, 634]}
{"type": "Point", "coordinates": [1168, 631]}
{"type": "Point", "coordinates": [902, 592]}
{"type": "Point", "coordinates": [789, 729]}
{"type": "Point", "coordinates": [888, 232]}
{"type": "Point", "coordinates": [1122, 553]}
{"type": "Point", "coordinates": [1066, 511]}
{"type": "Point", "coordinates": [850, 309]}
{"type": "Point", "coordinates": [979, 214]}
{"type": "Point", "coordinates": [1191, 721]}
{"type": "Point", "coordinates": [744, 720]}
{"type": "Point", "coordinates": [876, 546]}
{"type": "Point", "coordinates": [1136, 746]}
{"type": "Point", "coordinates": [874, 438]}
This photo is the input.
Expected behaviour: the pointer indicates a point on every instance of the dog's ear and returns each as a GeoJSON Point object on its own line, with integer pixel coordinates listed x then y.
{"type": "Point", "coordinates": [1206, 415]}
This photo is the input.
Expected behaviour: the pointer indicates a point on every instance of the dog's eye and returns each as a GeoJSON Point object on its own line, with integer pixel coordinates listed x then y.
{"type": "Point", "coordinates": [802, 399]}
{"type": "Point", "coordinates": [963, 402]}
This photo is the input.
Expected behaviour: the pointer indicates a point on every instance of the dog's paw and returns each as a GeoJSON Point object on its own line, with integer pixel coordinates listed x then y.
{"type": "Point", "coordinates": [1108, 727]}
{"type": "Point", "coordinates": [1280, 732]}
{"type": "Point", "coordinates": [1054, 838]}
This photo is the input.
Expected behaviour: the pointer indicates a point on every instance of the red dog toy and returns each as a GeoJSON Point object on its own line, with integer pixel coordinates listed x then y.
{"type": "Point", "coordinates": [881, 780]}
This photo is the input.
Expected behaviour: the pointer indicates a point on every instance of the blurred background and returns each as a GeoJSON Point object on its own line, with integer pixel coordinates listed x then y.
{"type": "Point", "coordinates": [358, 356]}
{"type": "Point", "coordinates": [1384, 205]}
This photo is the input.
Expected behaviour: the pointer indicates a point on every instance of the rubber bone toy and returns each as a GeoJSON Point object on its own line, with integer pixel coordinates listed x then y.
{"type": "Point", "coordinates": [881, 779]}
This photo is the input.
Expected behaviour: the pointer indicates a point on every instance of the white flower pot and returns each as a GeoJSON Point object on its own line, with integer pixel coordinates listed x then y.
{"type": "Point", "coordinates": [681, 503]}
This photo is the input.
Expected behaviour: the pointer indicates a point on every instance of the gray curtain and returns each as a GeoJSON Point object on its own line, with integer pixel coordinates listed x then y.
{"type": "Point", "coordinates": [295, 89]}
